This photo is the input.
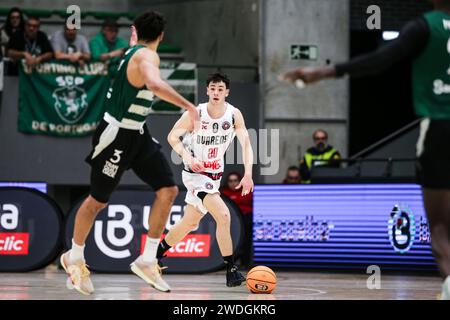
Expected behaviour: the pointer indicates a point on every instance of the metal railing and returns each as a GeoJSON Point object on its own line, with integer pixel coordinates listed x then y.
{"type": "Point", "coordinates": [363, 168]}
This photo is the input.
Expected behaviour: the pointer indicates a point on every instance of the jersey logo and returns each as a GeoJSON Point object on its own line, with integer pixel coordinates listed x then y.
{"type": "Point", "coordinates": [209, 186]}
{"type": "Point", "coordinates": [215, 127]}
{"type": "Point", "coordinates": [226, 125]}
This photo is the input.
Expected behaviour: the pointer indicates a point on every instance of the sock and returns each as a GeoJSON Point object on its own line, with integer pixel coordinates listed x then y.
{"type": "Point", "coordinates": [151, 246]}
{"type": "Point", "coordinates": [229, 261]}
{"type": "Point", "coordinates": [76, 253]}
{"type": "Point", "coordinates": [162, 249]}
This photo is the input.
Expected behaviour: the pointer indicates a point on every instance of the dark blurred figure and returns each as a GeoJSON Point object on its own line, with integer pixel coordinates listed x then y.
{"type": "Point", "coordinates": [14, 22]}
{"type": "Point", "coordinates": [292, 176]}
{"type": "Point", "coordinates": [320, 151]}
{"type": "Point", "coordinates": [107, 46]}
{"type": "Point", "coordinates": [245, 203]}
{"type": "Point", "coordinates": [32, 45]}
{"type": "Point", "coordinates": [69, 45]}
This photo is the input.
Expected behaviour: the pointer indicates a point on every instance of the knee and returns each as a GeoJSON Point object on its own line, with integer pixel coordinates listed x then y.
{"type": "Point", "coordinates": [193, 225]}
{"type": "Point", "coordinates": [224, 217]}
{"type": "Point", "coordinates": [167, 193]}
{"type": "Point", "coordinates": [190, 223]}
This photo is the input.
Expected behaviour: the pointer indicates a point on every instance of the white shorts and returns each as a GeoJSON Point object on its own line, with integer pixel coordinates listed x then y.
{"type": "Point", "coordinates": [195, 183]}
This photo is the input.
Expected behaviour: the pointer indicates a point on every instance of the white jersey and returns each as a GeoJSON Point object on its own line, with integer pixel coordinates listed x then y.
{"type": "Point", "coordinates": [212, 140]}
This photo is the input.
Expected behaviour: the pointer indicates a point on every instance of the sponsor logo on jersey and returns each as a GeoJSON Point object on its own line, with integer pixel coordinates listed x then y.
{"type": "Point", "coordinates": [14, 243]}
{"type": "Point", "coordinates": [212, 140]}
{"type": "Point", "coordinates": [214, 165]}
{"type": "Point", "coordinates": [215, 127]}
{"type": "Point", "coordinates": [226, 125]}
{"type": "Point", "coordinates": [192, 246]}
{"type": "Point", "coordinates": [209, 186]}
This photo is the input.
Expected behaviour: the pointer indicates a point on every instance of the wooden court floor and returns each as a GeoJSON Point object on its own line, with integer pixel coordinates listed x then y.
{"type": "Point", "coordinates": [49, 284]}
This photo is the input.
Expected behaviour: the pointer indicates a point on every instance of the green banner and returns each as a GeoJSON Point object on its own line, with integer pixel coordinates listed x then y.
{"type": "Point", "coordinates": [62, 99]}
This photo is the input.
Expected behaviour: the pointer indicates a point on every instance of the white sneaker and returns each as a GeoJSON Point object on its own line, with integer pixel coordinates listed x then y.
{"type": "Point", "coordinates": [78, 275]}
{"type": "Point", "coordinates": [150, 273]}
{"type": "Point", "coordinates": [445, 295]}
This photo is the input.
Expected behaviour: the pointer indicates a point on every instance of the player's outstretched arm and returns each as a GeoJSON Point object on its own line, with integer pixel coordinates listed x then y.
{"type": "Point", "coordinates": [411, 43]}
{"type": "Point", "coordinates": [247, 151]}
{"type": "Point", "coordinates": [183, 126]}
{"type": "Point", "coordinates": [149, 68]}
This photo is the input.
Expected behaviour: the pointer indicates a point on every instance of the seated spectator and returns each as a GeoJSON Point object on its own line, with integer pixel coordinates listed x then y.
{"type": "Point", "coordinates": [69, 45]}
{"type": "Point", "coordinates": [31, 44]}
{"type": "Point", "coordinates": [14, 22]}
{"type": "Point", "coordinates": [107, 46]}
{"type": "Point", "coordinates": [321, 154]}
{"type": "Point", "coordinates": [292, 175]}
{"type": "Point", "coordinates": [245, 203]}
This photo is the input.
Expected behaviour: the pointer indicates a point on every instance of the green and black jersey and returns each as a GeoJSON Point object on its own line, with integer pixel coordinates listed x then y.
{"type": "Point", "coordinates": [125, 103]}
{"type": "Point", "coordinates": [431, 70]}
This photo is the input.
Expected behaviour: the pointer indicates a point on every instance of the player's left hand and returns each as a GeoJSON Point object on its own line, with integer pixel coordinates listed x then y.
{"type": "Point", "coordinates": [246, 184]}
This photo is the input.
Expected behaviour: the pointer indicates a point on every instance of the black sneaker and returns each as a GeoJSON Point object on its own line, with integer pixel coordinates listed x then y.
{"type": "Point", "coordinates": [234, 277]}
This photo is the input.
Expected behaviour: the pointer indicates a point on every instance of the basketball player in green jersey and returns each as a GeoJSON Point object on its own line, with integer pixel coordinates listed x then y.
{"type": "Point", "coordinates": [122, 141]}
{"type": "Point", "coordinates": [426, 40]}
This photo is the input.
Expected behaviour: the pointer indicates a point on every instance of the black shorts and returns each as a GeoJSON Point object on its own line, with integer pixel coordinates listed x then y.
{"type": "Point", "coordinates": [116, 150]}
{"type": "Point", "coordinates": [433, 148]}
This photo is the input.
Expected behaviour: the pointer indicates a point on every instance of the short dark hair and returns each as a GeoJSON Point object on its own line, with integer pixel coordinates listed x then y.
{"type": "Point", "coordinates": [110, 23]}
{"type": "Point", "coordinates": [293, 168]}
{"type": "Point", "coordinates": [320, 130]}
{"type": "Point", "coordinates": [149, 25]}
{"type": "Point", "coordinates": [218, 77]}
{"type": "Point", "coordinates": [33, 18]}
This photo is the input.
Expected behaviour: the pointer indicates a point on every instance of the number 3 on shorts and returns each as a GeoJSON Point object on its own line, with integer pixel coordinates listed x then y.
{"type": "Point", "coordinates": [116, 157]}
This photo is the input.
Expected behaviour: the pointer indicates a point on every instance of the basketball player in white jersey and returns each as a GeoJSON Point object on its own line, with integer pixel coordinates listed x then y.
{"type": "Point", "coordinates": [203, 157]}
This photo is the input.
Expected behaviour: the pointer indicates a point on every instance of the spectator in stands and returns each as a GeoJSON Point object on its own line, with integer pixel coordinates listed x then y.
{"type": "Point", "coordinates": [32, 45]}
{"type": "Point", "coordinates": [292, 175]}
{"type": "Point", "coordinates": [321, 154]}
{"type": "Point", "coordinates": [245, 204]}
{"type": "Point", "coordinates": [14, 22]}
{"type": "Point", "coordinates": [107, 46]}
{"type": "Point", "coordinates": [69, 45]}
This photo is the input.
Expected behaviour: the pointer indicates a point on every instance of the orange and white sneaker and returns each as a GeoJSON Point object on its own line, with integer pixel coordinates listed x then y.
{"type": "Point", "coordinates": [150, 273]}
{"type": "Point", "coordinates": [78, 275]}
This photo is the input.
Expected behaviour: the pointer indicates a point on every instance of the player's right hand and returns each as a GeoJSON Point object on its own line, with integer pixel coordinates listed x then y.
{"type": "Point", "coordinates": [196, 165]}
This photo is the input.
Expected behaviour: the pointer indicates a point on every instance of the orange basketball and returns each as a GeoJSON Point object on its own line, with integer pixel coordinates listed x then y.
{"type": "Point", "coordinates": [261, 279]}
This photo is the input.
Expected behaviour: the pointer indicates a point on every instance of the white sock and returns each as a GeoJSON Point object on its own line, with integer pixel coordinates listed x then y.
{"type": "Point", "coordinates": [150, 249]}
{"type": "Point", "coordinates": [445, 295]}
{"type": "Point", "coordinates": [76, 253]}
